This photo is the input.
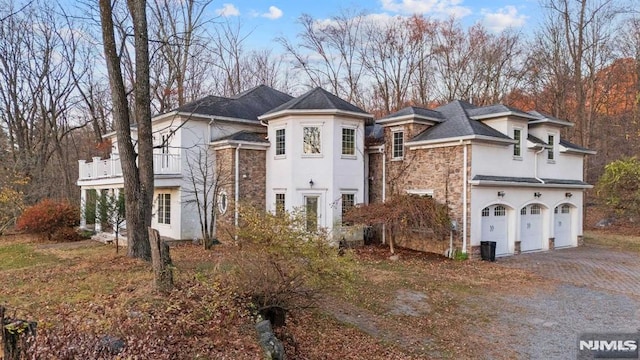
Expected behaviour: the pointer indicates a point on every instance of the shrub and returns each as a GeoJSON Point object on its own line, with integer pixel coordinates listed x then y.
{"type": "Point", "coordinates": [279, 264]}
{"type": "Point", "coordinates": [11, 204]}
{"type": "Point", "coordinates": [48, 217]}
{"type": "Point", "coordinates": [619, 186]}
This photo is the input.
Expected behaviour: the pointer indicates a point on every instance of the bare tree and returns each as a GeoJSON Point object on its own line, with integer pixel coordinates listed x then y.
{"type": "Point", "coordinates": [585, 29]}
{"type": "Point", "coordinates": [137, 168]}
{"type": "Point", "coordinates": [391, 59]}
{"type": "Point", "coordinates": [328, 53]}
{"type": "Point", "coordinates": [206, 178]}
{"type": "Point", "coordinates": [179, 31]}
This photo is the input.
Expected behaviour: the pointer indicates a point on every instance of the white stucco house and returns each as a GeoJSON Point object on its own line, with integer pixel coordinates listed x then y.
{"type": "Point", "coordinates": [507, 175]}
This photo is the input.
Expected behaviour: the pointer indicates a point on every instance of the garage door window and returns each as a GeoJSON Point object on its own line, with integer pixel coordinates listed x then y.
{"type": "Point", "coordinates": [499, 211]}
{"type": "Point", "coordinates": [523, 211]}
{"type": "Point", "coordinates": [565, 209]}
{"type": "Point", "coordinates": [485, 212]}
{"type": "Point", "coordinates": [535, 209]}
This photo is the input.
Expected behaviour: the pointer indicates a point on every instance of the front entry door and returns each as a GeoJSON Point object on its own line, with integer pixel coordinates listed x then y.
{"type": "Point", "coordinates": [311, 212]}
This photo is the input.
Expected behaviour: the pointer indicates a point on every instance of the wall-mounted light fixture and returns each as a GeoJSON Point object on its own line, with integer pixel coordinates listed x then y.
{"type": "Point", "coordinates": [311, 183]}
{"type": "Point", "coordinates": [568, 195]}
{"type": "Point", "coordinates": [501, 194]}
{"type": "Point", "coordinates": [537, 194]}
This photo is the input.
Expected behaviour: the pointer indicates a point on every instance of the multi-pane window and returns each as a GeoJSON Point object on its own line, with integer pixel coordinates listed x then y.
{"type": "Point", "coordinates": [485, 212]}
{"type": "Point", "coordinates": [348, 141]}
{"type": "Point", "coordinates": [280, 204]}
{"type": "Point", "coordinates": [164, 208]}
{"type": "Point", "coordinates": [398, 144]}
{"type": "Point", "coordinates": [523, 211]}
{"type": "Point", "coordinates": [280, 142]}
{"type": "Point", "coordinates": [311, 213]}
{"type": "Point", "coordinates": [311, 140]}
{"type": "Point", "coordinates": [535, 209]}
{"type": "Point", "coordinates": [348, 200]}
{"type": "Point", "coordinates": [499, 211]}
{"type": "Point", "coordinates": [517, 149]}
{"type": "Point", "coordinates": [565, 209]}
{"type": "Point", "coordinates": [551, 151]}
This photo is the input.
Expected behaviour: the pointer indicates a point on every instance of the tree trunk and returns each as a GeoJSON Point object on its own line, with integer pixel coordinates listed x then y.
{"type": "Point", "coordinates": [14, 336]}
{"type": "Point", "coordinates": [138, 177]}
{"type": "Point", "coordinates": [162, 266]}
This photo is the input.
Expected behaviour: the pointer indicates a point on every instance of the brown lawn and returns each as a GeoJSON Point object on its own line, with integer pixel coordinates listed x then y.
{"type": "Point", "coordinates": [420, 306]}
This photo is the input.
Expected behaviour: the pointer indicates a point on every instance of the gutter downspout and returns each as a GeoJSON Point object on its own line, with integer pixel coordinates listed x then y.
{"type": "Point", "coordinates": [237, 190]}
{"type": "Point", "coordinates": [464, 198]}
{"type": "Point", "coordinates": [535, 168]}
{"type": "Point", "coordinates": [384, 188]}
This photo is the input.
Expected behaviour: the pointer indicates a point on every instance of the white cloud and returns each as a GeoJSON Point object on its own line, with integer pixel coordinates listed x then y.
{"type": "Point", "coordinates": [228, 10]}
{"type": "Point", "coordinates": [274, 13]}
{"type": "Point", "coordinates": [428, 7]}
{"type": "Point", "coordinates": [506, 17]}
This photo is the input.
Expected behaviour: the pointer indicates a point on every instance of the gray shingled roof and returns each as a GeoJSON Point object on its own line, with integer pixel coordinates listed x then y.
{"type": "Point", "coordinates": [536, 140]}
{"type": "Point", "coordinates": [458, 124]}
{"type": "Point", "coordinates": [418, 111]}
{"type": "Point", "coordinates": [497, 109]}
{"type": "Point", "coordinates": [375, 131]}
{"type": "Point", "coordinates": [573, 146]}
{"type": "Point", "coordinates": [542, 118]}
{"type": "Point", "coordinates": [529, 180]}
{"type": "Point", "coordinates": [318, 99]}
{"type": "Point", "coordinates": [247, 105]}
{"type": "Point", "coordinates": [244, 135]}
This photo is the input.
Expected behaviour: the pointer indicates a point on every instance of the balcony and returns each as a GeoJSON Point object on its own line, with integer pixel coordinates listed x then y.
{"type": "Point", "coordinates": [163, 164]}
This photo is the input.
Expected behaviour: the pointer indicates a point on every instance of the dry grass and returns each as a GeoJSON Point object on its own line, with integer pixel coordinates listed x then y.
{"type": "Point", "coordinates": [612, 240]}
{"type": "Point", "coordinates": [87, 288]}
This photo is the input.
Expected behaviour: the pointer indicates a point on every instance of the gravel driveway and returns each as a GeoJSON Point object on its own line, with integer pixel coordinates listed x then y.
{"type": "Point", "coordinates": [593, 290]}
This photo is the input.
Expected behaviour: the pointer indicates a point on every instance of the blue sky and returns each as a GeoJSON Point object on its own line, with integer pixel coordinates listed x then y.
{"type": "Point", "coordinates": [271, 18]}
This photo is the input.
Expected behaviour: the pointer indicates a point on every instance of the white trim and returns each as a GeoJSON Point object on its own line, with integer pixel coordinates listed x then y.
{"type": "Point", "coordinates": [420, 192]}
{"type": "Point", "coordinates": [451, 141]}
{"type": "Point", "coordinates": [232, 144]}
{"type": "Point", "coordinates": [409, 119]}
{"type": "Point", "coordinates": [526, 184]}
{"type": "Point", "coordinates": [547, 121]}
{"type": "Point", "coordinates": [283, 113]}
{"type": "Point", "coordinates": [564, 149]}
{"type": "Point", "coordinates": [503, 114]}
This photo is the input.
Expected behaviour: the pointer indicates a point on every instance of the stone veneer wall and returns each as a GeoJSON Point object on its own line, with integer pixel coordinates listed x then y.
{"type": "Point", "coordinates": [225, 159]}
{"type": "Point", "coordinates": [438, 169]}
{"type": "Point", "coordinates": [253, 178]}
{"type": "Point", "coordinates": [375, 178]}
{"type": "Point", "coordinates": [252, 183]}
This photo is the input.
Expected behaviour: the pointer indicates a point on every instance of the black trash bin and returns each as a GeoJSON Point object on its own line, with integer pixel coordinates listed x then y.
{"type": "Point", "coordinates": [488, 250]}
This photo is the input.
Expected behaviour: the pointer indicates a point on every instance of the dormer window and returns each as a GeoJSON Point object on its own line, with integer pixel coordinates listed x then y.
{"type": "Point", "coordinates": [311, 140]}
{"type": "Point", "coordinates": [551, 155]}
{"type": "Point", "coordinates": [517, 147]}
{"type": "Point", "coordinates": [398, 144]}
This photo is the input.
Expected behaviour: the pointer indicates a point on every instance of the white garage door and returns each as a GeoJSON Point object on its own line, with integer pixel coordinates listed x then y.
{"type": "Point", "coordinates": [531, 228]}
{"type": "Point", "coordinates": [494, 227]}
{"type": "Point", "coordinates": [562, 226]}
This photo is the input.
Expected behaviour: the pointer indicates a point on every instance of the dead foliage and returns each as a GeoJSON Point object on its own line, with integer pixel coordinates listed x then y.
{"type": "Point", "coordinates": [90, 292]}
{"type": "Point", "coordinates": [403, 216]}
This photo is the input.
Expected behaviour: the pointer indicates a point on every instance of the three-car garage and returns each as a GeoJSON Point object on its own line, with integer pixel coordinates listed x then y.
{"type": "Point", "coordinates": [528, 228]}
